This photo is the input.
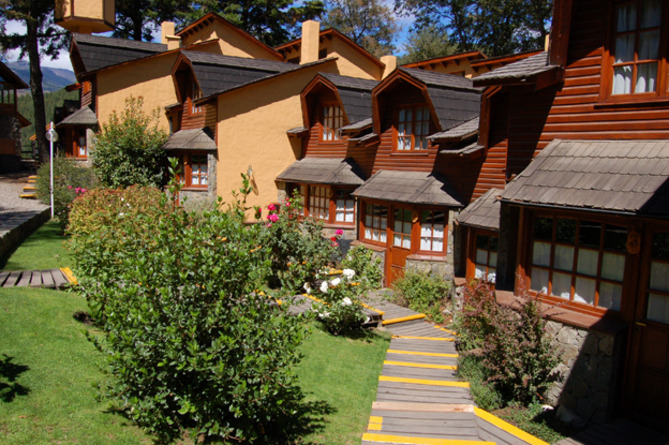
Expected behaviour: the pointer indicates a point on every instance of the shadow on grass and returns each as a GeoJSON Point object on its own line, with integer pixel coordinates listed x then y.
{"type": "Point", "coordinates": [9, 387]}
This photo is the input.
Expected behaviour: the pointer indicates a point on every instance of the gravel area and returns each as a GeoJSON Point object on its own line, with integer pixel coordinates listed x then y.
{"type": "Point", "coordinates": [11, 186]}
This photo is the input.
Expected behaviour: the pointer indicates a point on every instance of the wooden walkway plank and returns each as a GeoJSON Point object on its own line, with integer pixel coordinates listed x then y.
{"type": "Point", "coordinates": [59, 279]}
{"type": "Point", "coordinates": [36, 279]}
{"type": "Point", "coordinates": [4, 274]}
{"type": "Point", "coordinates": [25, 279]}
{"type": "Point", "coordinates": [47, 279]}
{"type": "Point", "coordinates": [12, 279]}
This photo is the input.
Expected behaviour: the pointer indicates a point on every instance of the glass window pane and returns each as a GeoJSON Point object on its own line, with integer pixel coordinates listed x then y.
{"type": "Point", "coordinates": [659, 276]}
{"type": "Point", "coordinates": [584, 290]}
{"type": "Point", "coordinates": [565, 231]}
{"type": "Point", "coordinates": [610, 295]}
{"type": "Point", "coordinates": [613, 266]}
{"type": "Point", "coordinates": [402, 117]}
{"type": "Point", "coordinates": [622, 80]}
{"type": "Point", "coordinates": [493, 259]}
{"type": "Point", "coordinates": [425, 244]}
{"type": "Point", "coordinates": [482, 241]}
{"type": "Point", "coordinates": [493, 243]}
{"type": "Point", "coordinates": [406, 242]}
{"type": "Point", "coordinates": [661, 246]}
{"type": "Point", "coordinates": [481, 256]}
{"type": "Point", "coordinates": [587, 261]}
{"type": "Point", "coordinates": [564, 257]}
{"type": "Point", "coordinates": [561, 285]}
{"type": "Point", "coordinates": [398, 226]}
{"type": "Point", "coordinates": [651, 13]}
{"type": "Point", "coordinates": [615, 238]}
{"type": "Point", "coordinates": [649, 44]}
{"type": "Point", "coordinates": [624, 48]}
{"type": "Point", "coordinates": [480, 272]}
{"type": "Point", "coordinates": [438, 231]}
{"type": "Point", "coordinates": [350, 217]}
{"type": "Point", "coordinates": [543, 229]}
{"type": "Point", "coordinates": [437, 245]}
{"type": "Point", "coordinates": [541, 253]}
{"type": "Point", "coordinates": [658, 308]}
{"type": "Point", "coordinates": [646, 78]}
{"type": "Point", "coordinates": [539, 279]}
{"type": "Point", "coordinates": [426, 230]}
{"type": "Point", "coordinates": [383, 236]}
{"type": "Point", "coordinates": [589, 234]}
{"type": "Point", "coordinates": [397, 240]}
{"type": "Point", "coordinates": [626, 17]}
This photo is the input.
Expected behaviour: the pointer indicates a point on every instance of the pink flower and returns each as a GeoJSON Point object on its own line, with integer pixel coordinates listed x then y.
{"type": "Point", "coordinates": [269, 224]}
{"type": "Point", "coordinates": [83, 190]}
{"type": "Point", "coordinates": [287, 203]}
{"type": "Point", "coordinates": [339, 232]}
{"type": "Point", "coordinates": [273, 217]}
{"type": "Point", "coordinates": [69, 187]}
{"type": "Point", "coordinates": [271, 207]}
{"type": "Point", "coordinates": [333, 239]}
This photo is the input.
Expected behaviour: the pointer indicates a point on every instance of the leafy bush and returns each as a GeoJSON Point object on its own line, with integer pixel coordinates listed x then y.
{"type": "Point", "coordinates": [129, 149]}
{"type": "Point", "coordinates": [297, 245]}
{"type": "Point", "coordinates": [339, 309]}
{"type": "Point", "coordinates": [426, 293]}
{"type": "Point", "coordinates": [368, 268]}
{"type": "Point", "coordinates": [188, 340]}
{"type": "Point", "coordinates": [511, 344]}
{"type": "Point", "coordinates": [70, 181]}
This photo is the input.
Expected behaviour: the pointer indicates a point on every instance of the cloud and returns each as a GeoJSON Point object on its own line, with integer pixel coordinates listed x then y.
{"type": "Point", "coordinates": [63, 60]}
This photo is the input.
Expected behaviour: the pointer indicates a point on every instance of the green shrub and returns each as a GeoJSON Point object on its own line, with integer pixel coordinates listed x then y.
{"type": "Point", "coordinates": [189, 342]}
{"type": "Point", "coordinates": [366, 266]}
{"type": "Point", "coordinates": [70, 181]}
{"type": "Point", "coordinates": [511, 344]}
{"type": "Point", "coordinates": [129, 149]}
{"type": "Point", "coordinates": [339, 309]}
{"type": "Point", "coordinates": [299, 251]}
{"type": "Point", "coordinates": [422, 292]}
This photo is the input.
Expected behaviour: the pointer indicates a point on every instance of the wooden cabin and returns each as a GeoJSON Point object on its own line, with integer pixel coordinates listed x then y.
{"type": "Point", "coordinates": [11, 121]}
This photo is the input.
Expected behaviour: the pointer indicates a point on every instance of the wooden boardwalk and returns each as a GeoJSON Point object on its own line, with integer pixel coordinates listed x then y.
{"type": "Point", "coordinates": [49, 278]}
{"type": "Point", "coordinates": [420, 399]}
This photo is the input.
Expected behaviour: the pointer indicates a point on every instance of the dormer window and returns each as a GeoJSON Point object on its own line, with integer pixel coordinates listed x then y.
{"type": "Point", "coordinates": [195, 94]}
{"type": "Point", "coordinates": [413, 127]}
{"type": "Point", "coordinates": [332, 120]}
{"type": "Point", "coordinates": [637, 55]}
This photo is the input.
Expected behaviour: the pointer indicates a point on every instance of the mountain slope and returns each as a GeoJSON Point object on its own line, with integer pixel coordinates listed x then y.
{"type": "Point", "coordinates": [53, 79]}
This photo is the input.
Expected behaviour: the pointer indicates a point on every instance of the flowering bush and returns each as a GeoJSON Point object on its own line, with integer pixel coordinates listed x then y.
{"type": "Point", "coordinates": [70, 182]}
{"type": "Point", "coordinates": [361, 259]}
{"type": "Point", "coordinates": [298, 248]}
{"type": "Point", "coordinates": [338, 308]}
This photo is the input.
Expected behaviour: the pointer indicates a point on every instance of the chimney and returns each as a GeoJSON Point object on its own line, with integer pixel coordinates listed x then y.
{"type": "Point", "coordinates": [167, 36]}
{"type": "Point", "coordinates": [547, 42]}
{"type": "Point", "coordinates": [391, 64]}
{"type": "Point", "coordinates": [310, 41]}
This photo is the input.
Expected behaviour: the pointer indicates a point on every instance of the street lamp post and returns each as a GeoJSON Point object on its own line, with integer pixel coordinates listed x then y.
{"type": "Point", "coordinates": [52, 136]}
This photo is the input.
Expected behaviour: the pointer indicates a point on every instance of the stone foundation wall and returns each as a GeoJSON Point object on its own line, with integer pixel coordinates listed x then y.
{"type": "Point", "coordinates": [443, 269]}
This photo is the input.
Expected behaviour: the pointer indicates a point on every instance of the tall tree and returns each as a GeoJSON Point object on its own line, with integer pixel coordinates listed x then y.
{"type": "Point", "coordinates": [137, 19]}
{"type": "Point", "coordinates": [491, 26]}
{"type": "Point", "coordinates": [427, 43]}
{"type": "Point", "coordinates": [271, 21]}
{"type": "Point", "coordinates": [41, 38]}
{"type": "Point", "coordinates": [369, 23]}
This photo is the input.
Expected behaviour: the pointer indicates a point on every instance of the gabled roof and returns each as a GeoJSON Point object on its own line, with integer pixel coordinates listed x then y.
{"type": "Point", "coordinates": [215, 72]}
{"type": "Point", "coordinates": [445, 60]}
{"type": "Point", "coordinates": [196, 139]}
{"type": "Point", "coordinates": [454, 99]}
{"type": "Point", "coordinates": [323, 171]}
{"type": "Point", "coordinates": [355, 94]}
{"type": "Point", "coordinates": [9, 76]}
{"type": "Point", "coordinates": [83, 117]}
{"type": "Point", "coordinates": [523, 71]}
{"type": "Point", "coordinates": [465, 130]}
{"type": "Point", "coordinates": [97, 52]}
{"type": "Point", "coordinates": [484, 212]}
{"type": "Point", "coordinates": [410, 187]}
{"type": "Point", "coordinates": [619, 176]}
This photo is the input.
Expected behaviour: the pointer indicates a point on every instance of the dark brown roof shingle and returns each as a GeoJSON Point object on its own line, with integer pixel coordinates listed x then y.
{"type": "Point", "coordinates": [410, 187]}
{"type": "Point", "coordinates": [484, 212]}
{"type": "Point", "coordinates": [323, 171]}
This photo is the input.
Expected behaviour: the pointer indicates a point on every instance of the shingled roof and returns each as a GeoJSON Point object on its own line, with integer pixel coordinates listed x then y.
{"type": "Point", "coordinates": [620, 176]}
{"type": "Point", "coordinates": [355, 94]}
{"type": "Point", "coordinates": [454, 98]}
{"type": "Point", "coordinates": [459, 132]}
{"type": "Point", "coordinates": [484, 212]}
{"type": "Point", "coordinates": [323, 171]}
{"type": "Point", "coordinates": [410, 187]}
{"type": "Point", "coordinates": [523, 71]}
{"type": "Point", "coordinates": [83, 116]}
{"type": "Point", "coordinates": [99, 52]}
{"type": "Point", "coordinates": [196, 139]}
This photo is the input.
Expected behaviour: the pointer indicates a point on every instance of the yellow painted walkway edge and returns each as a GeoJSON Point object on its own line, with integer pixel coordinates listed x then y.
{"type": "Point", "coordinates": [411, 337]}
{"type": "Point", "coordinates": [420, 365]}
{"type": "Point", "coordinates": [446, 330]}
{"type": "Point", "coordinates": [385, 378]}
{"type": "Point", "coordinates": [365, 305]}
{"type": "Point", "coordinates": [427, 354]}
{"type": "Point", "coordinates": [499, 423]}
{"type": "Point", "coordinates": [69, 275]}
{"type": "Point", "coordinates": [375, 423]}
{"type": "Point", "coordinates": [388, 438]}
{"type": "Point", "coordinates": [403, 319]}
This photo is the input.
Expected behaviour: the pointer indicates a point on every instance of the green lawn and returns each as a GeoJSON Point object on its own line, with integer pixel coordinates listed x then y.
{"type": "Point", "coordinates": [48, 369]}
{"type": "Point", "coordinates": [44, 249]}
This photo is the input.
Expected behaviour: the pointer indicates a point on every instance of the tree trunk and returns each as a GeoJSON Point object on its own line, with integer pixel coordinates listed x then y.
{"type": "Point", "coordinates": [36, 90]}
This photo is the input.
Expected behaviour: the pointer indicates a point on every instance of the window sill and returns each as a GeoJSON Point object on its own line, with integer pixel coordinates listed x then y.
{"type": "Point", "coordinates": [375, 247]}
{"type": "Point", "coordinates": [425, 152]}
{"type": "Point", "coordinates": [423, 256]}
{"type": "Point", "coordinates": [632, 102]}
{"type": "Point", "coordinates": [195, 189]}
{"type": "Point", "coordinates": [606, 322]}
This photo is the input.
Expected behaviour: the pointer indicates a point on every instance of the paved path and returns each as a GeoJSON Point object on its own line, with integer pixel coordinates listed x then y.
{"type": "Point", "coordinates": [49, 278]}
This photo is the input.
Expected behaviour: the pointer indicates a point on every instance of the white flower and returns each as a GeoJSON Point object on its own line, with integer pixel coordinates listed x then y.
{"type": "Point", "coordinates": [346, 301]}
{"type": "Point", "coordinates": [120, 214]}
{"type": "Point", "coordinates": [335, 282]}
{"type": "Point", "coordinates": [348, 273]}
{"type": "Point", "coordinates": [307, 288]}
{"type": "Point", "coordinates": [324, 287]}
{"type": "Point", "coordinates": [324, 315]}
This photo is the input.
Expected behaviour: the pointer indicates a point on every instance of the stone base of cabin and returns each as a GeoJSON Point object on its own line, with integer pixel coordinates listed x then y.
{"type": "Point", "coordinates": [588, 370]}
{"type": "Point", "coordinates": [439, 268]}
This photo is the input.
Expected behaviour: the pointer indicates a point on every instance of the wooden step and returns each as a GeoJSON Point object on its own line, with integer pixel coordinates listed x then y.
{"type": "Point", "coordinates": [32, 177]}
{"type": "Point", "coordinates": [29, 188]}
{"type": "Point", "coordinates": [32, 181]}
{"type": "Point", "coordinates": [28, 196]}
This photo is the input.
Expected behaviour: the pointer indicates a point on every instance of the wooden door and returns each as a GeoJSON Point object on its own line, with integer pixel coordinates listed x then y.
{"type": "Point", "coordinates": [647, 385]}
{"type": "Point", "coordinates": [399, 242]}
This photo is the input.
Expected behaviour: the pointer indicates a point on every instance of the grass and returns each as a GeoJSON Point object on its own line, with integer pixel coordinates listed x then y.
{"type": "Point", "coordinates": [343, 373]}
{"type": "Point", "coordinates": [44, 249]}
{"type": "Point", "coordinates": [48, 371]}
